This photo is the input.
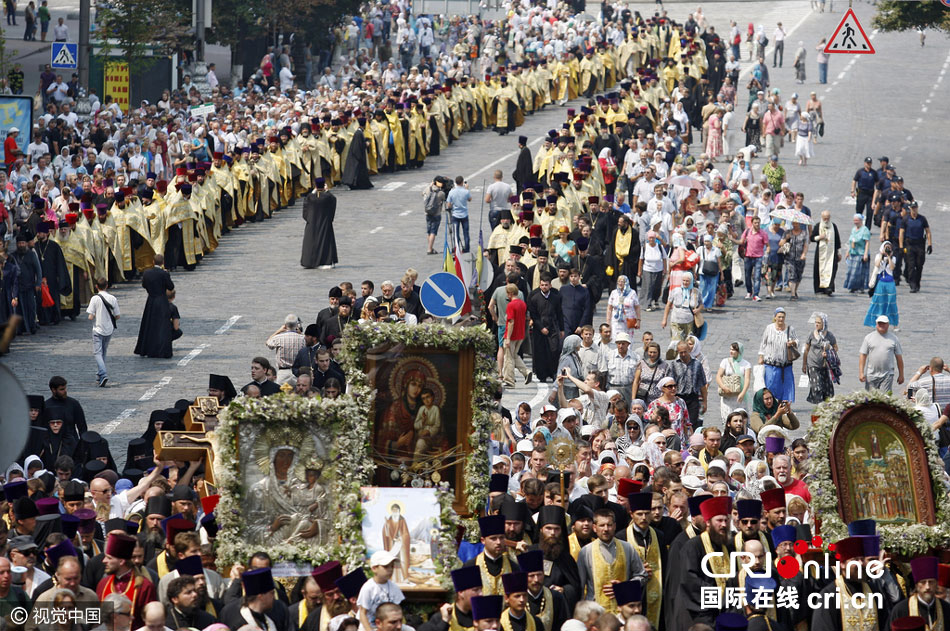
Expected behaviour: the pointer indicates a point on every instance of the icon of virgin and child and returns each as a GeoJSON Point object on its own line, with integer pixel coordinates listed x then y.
{"type": "Point", "coordinates": [290, 502]}
{"type": "Point", "coordinates": [411, 426]}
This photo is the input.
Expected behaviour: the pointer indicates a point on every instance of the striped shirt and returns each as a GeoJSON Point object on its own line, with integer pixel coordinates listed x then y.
{"type": "Point", "coordinates": [774, 345]}
{"type": "Point", "coordinates": [287, 345]}
{"type": "Point", "coordinates": [620, 369]}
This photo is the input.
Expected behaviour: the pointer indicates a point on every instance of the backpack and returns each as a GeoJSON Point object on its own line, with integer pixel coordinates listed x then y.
{"type": "Point", "coordinates": [433, 202]}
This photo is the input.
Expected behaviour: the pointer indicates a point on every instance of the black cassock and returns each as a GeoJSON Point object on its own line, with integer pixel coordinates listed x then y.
{"type": "Point", "coordinates": [829, 618]}
{"type": "Point", "coordinates": [319, 242]}
{"type": "Point", "coordinates": [355, 170]}
{"type": "Point", "coordinates": [630, 262]}
{"type": "Point", "coordinates": [57, 279]}
{"type": "Point", "coordinates": [524, 170]}
{"type": "Point", "coordinates": [155, 331]}
{"type": "Point", "coordinates": [545, 314]}
{"type": "Point", "coordinates": [688, 608]}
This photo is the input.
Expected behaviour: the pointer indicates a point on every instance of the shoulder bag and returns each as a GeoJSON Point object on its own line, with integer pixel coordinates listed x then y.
{"type": "Point", "coordinates": [710, 268]}
{"type": "Point", "coordinates": [792, 352]}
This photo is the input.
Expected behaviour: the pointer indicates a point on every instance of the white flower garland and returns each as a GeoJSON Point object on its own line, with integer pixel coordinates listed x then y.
{"type": "Point", "coordinates": [910, 540]}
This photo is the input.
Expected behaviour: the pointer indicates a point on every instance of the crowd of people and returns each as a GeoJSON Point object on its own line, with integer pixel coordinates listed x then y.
{"type": "Point", "coordinates": [614, 214]}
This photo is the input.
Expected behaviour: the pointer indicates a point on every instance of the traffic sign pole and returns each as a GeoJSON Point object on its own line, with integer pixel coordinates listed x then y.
{"type": "Point", "coordinates": [84, 45]}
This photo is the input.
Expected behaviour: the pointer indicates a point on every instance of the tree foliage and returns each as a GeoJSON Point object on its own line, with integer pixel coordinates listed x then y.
{"type": "Point", "coordinates": [139, 32]}
{"type": "Point", "coordinates": [237, 21]}
{"type": "Point", "coordinates": [899, 15]}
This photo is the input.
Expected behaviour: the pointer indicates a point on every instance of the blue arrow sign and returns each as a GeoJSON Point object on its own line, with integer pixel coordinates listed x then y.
{"type": "Point", "coordinates": [64, 56]}
{"type": "Point", "coordinates": [443, 294]}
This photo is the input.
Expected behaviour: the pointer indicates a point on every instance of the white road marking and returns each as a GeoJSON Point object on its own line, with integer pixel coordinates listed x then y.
{"type": "Point", "coordinates": [503, 158]}
{"type": "Point", "coordinates": [542, 395]}
{"type": "Point", "coordinates": [835, 83]}
{"type": "Point", "coordinates": [114, 423]}
{"type": "Point", "coordinates": [184, 361]}
{"type": "Point", "coordinates": [904, 148]}
{"type": "Point", "coordinates": [418, 187]}
{"type": "Point", "coordinates": [391, 186]}
{"type": "Point", "coordinates": [376, 229]}
{"type": "Point", "coordinates": [820, 200]}
{"type": "Point", "coordinates": [943, 207]}
{"type": "Point", "coordinates": [404, 213]}
{"type": "Point", "coordinates": [841, 75]}
{"type": "Point", "coordinates": [923, 109]}
{"type": "Point", "coordinates": [227, 325]}
{"type": "Point", "coordinates": [919, 120]}
{"type": "Point", "coordinates": [847, 200]}
{"type": "Point", "coordinates": [771, 47]}
{"type": "Point", "coordinates": [151, 392]}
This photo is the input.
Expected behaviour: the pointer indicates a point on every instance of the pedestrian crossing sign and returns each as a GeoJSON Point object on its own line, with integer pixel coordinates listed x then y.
{"type": "Point", "coordinates": [849, 37]}
{"type": "Point", "coordinates": [64, 56]}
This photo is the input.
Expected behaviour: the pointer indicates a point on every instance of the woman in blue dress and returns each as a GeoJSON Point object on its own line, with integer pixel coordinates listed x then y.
{"type": "Point", "coordinates": [884, 296]}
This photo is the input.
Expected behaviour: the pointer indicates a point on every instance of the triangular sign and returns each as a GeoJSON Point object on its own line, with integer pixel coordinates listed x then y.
{"type": "Point", "coordinates": [849, 37]}
{"type": "Point", "coordinates": [64, 58]}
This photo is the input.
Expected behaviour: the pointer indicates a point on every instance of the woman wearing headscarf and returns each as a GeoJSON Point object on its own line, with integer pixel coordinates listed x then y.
{"type": "Point", "coordinates": [696, 352]}
{"type": "Point", "coordinates": [572, 362]}
{"type": "Point", "coordinates": [882, 289]}
{"type": "Point", "coordinates": [799, 64]}
{"type": "Point", "coordinates": [820, 360]}
{"type": "Point", "coordinates": [714, 146]}
{"type": "Point", "coordinates": [768, 410]}
{"type": "Point", "coordinates": [680, 308]}
{"type": "Point", "coordinates": [778, 339]}
{"type": "Point", "coordinates": [797, 240]}
{"type": "Point", "coordinates": [825, 234]}
{"type": "Point", "coordinates": [856, 275]}
{"type": "Point", "coordinates": [623, 310]}
{"type": "Point", "coordinates": [734, 378]}
{"type": "Point", "coordinates": [752, 126]}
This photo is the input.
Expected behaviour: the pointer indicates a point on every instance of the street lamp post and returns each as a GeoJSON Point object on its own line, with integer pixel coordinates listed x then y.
{"type": "Point", "coordinates": [84, 49]}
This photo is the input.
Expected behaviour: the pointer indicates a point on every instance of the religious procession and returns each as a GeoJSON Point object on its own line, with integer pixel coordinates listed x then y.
{"type": "Point", "coordinates": [520, 433]}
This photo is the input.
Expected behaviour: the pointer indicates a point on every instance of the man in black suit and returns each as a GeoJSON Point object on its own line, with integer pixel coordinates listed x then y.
{"type": "Point", "coordinates": [259, 367]}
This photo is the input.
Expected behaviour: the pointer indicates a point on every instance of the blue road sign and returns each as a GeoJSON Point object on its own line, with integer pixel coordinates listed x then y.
{"type": "Point", "coordinates": [443, 294]}
{"type": "Point", "coordinates": [64, 56]}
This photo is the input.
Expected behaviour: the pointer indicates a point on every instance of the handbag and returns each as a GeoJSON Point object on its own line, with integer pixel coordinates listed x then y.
{"type": "Point", "coordinates": [785, 248]}
{"type": "Point", "coordinates": [792, 351]}
{"type": "Point", "coordinates": [644, 393]}
{"type": "Point", "coordinates": [46, 299]}
{"type": "Point", "coordinates": [733, 385]}
{"type": "Point", "coordinates": [710, 268]}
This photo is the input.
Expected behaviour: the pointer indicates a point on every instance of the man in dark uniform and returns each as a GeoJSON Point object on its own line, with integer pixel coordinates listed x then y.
{"type": "Point", "coordinates": [862, 189]}
{"type": "Point", "coordinates": [30, 280]}
{"type": "Point", "coordinates": [467, 582]}
{"type": "Point", "coordinates": [547, 604]}
{"type": "Point", "coordinates": [915, 240]}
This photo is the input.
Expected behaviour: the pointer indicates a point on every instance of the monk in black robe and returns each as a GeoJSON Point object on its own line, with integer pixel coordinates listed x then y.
{"type": "Point", "coordinates": [54, 273]}
{"type": "Point", "coordinates": [155, 332]}
{"type": "Point", "coordinates": [623, 251]}
{"type": "Point", "coordinates": [356, 169]}
{"type": "Point", "coordinates": [547, 327]}
{"type": "Point", "coordinates": [524, 168]}
{"type": "Point", "coordinates": [319, 242]}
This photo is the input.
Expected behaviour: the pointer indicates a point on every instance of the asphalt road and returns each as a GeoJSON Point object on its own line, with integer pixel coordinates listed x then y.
{"type": "Point", "coordinates": [885, 104]}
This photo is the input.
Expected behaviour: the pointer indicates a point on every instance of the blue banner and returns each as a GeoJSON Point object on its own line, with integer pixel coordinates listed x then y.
{"type": "Point", "coordinates": [16, 111]}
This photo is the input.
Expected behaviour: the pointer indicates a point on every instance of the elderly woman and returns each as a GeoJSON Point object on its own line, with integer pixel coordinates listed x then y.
{"type": "Point", "coordinates": [734, 379]}
{"type": "Point", "coordinates": [804, 139]}
{"type": "Point", "coordinates": [795, 257]}
{"type": "Point", "coordinates": [571, 361]}
{"type": "Point", "coordinates": [680, 309]}
{"type": "Point", "coordinates": [820, 361]}
{"type": "Point", "coordinates": [674, 405]}
{"type": "Point", "coordinates": [752, 126]}
{"type": "Point", "coordinates": [713, 125]}
{"type": "Point", "coordinates": [608, 166]}
{"type": "Point", "coordinates": [776, 350]}
{"type": "Point", "coordinates": [856, 274]}
{"type": "Point", "coordinates": [623, 309]}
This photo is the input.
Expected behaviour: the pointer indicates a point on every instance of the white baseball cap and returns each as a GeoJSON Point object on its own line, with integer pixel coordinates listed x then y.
{"type": "Point", "coordinates": [500, 460]}
{"type": "Point", "coordinates": [525, 446]}
{"type": "Point", "coordinates": [883, 319]}
{"type": "Point", "coordinates": [635, 453]}
{"type": "Point", "coordinates": [548, 408]}
{"type": "Point", "coordinates": [381, 557]}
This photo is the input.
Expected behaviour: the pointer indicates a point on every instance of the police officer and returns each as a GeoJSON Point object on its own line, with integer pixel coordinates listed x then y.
{"type": "Point", "coordinates": [862, 188]}
{"type": "Point", "coordinates": [914, 233]}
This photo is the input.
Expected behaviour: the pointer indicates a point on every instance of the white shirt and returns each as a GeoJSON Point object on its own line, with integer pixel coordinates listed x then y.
{"type": "Point", "coordinates": [36, 151]}
{"type": "Point", "coordinates": [57, 91]}
{"type": "Point", "coordinates": [779, 34]}
{"type": "Point", "coordinates": [103, 324]}
{"type": "Point", "coordinates": [372, 595]}
{"type": "Point", "coordinates": [286, 79]}
{"type": "Point", "coordinates": [61, 32]}
{"type": "Point", "coordinates": [212, 79]}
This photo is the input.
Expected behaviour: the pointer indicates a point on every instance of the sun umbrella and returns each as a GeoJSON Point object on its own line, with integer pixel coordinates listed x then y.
{"type": "Point", "coordinates": [686, 182]}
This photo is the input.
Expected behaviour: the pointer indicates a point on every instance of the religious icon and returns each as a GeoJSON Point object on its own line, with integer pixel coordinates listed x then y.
{"type": "Point", "coordinates": [421, 415]}
{"type": "Point", "coordinates": [880, 467]}
{"type": "Point", "coordinates": [412, 537]}
{"type": "Point", "coordinates": [287, 491]}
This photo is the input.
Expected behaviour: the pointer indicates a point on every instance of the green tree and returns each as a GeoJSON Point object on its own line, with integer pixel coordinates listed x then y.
{"type": "Point", "coordinates": [6, 56]}
{"type": "Point", "coordinates": [899, 15]}
{"type": "Point", "coordinates": [140, 32]}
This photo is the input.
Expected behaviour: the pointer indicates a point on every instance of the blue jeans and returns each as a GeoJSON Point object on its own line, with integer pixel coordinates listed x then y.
{"type": "Point", "coordinates": [753, 273]}
{"type": "Point", "coordinates": [460, 225]}
{"type": "Point", "coordinates": [100, 346]}
{"type": "Point", "coordinates": [823, 73]}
